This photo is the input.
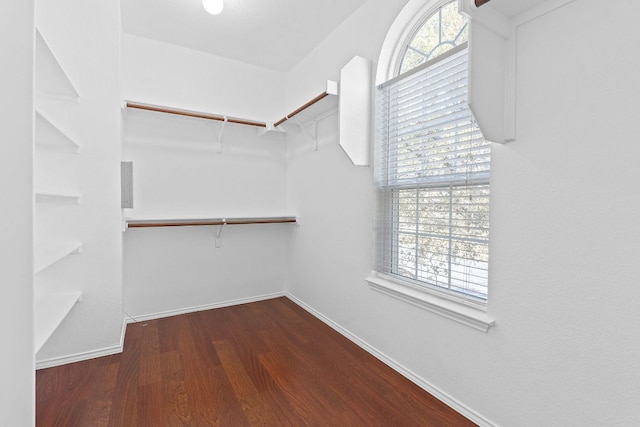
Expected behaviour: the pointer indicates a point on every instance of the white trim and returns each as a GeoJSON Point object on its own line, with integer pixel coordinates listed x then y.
{"type": "Point", "coordinates": [229, 303]}
{"type": "Point", "coordinates": [405, 372]}
{"type": "Point", "coordinates": [536, 12]}
{"type": "Point", "coordinates": [460, 312]}
{"type": "Point", "coordinates": [108, 351]}
{"type": "Point", "coordinates": [87, 355]}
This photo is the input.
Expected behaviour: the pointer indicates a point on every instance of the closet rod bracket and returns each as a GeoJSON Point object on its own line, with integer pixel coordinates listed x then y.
{"type": "Point", "coordinates": [218, 233]}
{"type": "Point", "coordinates": [221, 133]}
{"type": "Point", "coordinates": [313, 133]}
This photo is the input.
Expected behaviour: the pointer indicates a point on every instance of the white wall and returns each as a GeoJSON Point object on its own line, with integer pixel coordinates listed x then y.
{"type": "Point", "coordinates": [85, 38]}
{"type": "Point", "coordinates": [16, 211]}
{"type": "Point", "coordinates": [160, 73]}
{"type": "Point", "coordinates": [563, 226]}
{"type": "Point", "coordinates": [563, 285]}
{"type": "Point", "coordinates": [180, 169]}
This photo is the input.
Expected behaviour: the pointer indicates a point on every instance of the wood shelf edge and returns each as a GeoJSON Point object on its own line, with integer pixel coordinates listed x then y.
{"type": "Point", "coordinates": [190, 222]}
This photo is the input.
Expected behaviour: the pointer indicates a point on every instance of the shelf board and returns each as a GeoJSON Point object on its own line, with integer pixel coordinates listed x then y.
{"type": "Point", "coordinates": [320, 107]}
{"type": "Point", "coordinates": [51, 137]}
{"type": "Point", "coordinates": [47, 255]}
{"type": "Point", "coordinates": [51, 79]}
{"type": "Point", "coordinates": [193, 221]}
{"type": "Point", "coordinates": [192, 113]}
{"type": "Point", "coordinates": [46, 196]}
{"type": "Point", "coordinates": [49, 312]}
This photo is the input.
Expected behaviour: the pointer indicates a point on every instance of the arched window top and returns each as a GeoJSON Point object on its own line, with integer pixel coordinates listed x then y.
{"type": "Point", "coordinates": [441, 31]}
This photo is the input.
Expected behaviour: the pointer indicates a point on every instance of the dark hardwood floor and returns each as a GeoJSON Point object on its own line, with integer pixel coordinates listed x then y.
{"type": "Point", "coordinates": [268, 363]}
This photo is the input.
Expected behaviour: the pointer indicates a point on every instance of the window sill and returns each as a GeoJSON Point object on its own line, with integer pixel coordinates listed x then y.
{"type": "Point", "coordinates": [462, 313]}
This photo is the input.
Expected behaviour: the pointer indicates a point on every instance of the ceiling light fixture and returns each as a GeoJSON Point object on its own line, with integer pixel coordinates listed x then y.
{"type": "Point", "coordinates": [214, 7]}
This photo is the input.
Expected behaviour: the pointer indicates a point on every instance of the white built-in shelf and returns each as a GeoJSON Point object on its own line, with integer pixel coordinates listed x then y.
{"type": "Point", "coordinates": [320, 107]}
{"type": "Point", "coordinates": [51, 137]}
{"type": "Point", "coordinates": [51, 79]}
{"type": "Point", "coordinates": [48, 254]}
{"type": "Point", "coordinates": [191, 113]}
{"type": "Point", "coordinates": [49, 312]}
{"type": "Point", "coordinates": [133, 222]}
{"type": "Point", "coordinates": [60, 197]}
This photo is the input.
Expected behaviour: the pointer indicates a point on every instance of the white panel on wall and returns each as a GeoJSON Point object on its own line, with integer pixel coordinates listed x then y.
{"type": "Point", "coordinates": [487, 86]}
{"type": "Point", "coordinates": [355, 110]}
{"type": "Point", "coordinates": [17, 401]}
{"type": "Point", "coordinates": [126, 185]}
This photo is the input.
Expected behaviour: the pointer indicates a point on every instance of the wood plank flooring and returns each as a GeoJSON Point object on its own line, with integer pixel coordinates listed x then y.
{"type": "Point", "coordinates": [268, 363]}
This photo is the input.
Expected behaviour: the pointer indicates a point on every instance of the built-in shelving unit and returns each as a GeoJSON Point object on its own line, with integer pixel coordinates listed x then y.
{"type": "Point", "coordinates": [53, 86]}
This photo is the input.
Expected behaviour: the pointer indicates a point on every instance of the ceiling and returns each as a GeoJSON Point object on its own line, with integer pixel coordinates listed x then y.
{"type": "Point", "coordinates": [511, 8]}
{"type": "Point", "coordinates": [274, 34]}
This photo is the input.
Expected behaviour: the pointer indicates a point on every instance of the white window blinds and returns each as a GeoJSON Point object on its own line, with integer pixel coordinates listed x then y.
{"type": "Point", "coordinates": [432, 174]}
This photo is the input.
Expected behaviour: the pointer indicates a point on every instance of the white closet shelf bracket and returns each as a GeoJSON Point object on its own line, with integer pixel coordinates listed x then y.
{"type": "Point", "coordinates": [218, 233]}
{"type": "Point", "coordinates": [221, 132]}
{"type": "Point", "coordinates": [313, 133]}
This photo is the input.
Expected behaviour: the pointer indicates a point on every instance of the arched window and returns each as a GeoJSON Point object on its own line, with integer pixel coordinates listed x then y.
{"type": "Point", "coordinates": [433, 165]}
{"type": "Point", "coordinates": [442, 31]}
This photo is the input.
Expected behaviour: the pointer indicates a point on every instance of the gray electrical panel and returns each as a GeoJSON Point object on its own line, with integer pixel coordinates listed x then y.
{"type": "Point", "coordinates": [126, 185]}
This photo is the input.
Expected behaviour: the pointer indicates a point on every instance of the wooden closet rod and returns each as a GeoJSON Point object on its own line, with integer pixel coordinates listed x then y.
{"type": "Point", "coordinates": [298, 110]}
{"type": "Point", "coordinates": [481, 2]}
{"type": "Point", "coordinates": [195, 114]}
{"type": "Point", "coordinates": [197, 222]}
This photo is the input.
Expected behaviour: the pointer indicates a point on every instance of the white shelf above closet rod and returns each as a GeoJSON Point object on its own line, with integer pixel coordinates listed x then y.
{"type": "Point", "coordinates": [195, 114]}
{"type": "Point", "coordinates": [182, 222]}
{"type": "Point", "coordinates": [332, 89]}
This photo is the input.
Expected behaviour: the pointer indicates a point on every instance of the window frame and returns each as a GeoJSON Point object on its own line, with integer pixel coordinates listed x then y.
{"type": "Point", "coordinates": [468, 311]}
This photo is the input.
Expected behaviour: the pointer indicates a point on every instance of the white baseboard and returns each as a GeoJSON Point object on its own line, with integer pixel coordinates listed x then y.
{"type": "Point", "coordinates": [411, 376]}
{"type": "Point", "coordinates": [79, 357]}
{"type": "Point", "coordinates": [177, 312]}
